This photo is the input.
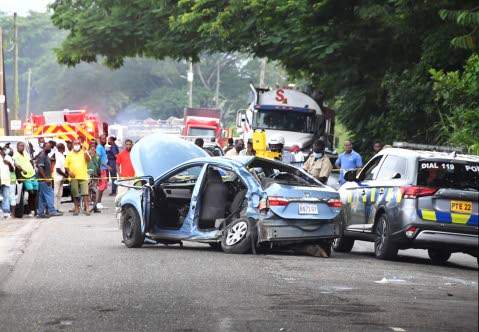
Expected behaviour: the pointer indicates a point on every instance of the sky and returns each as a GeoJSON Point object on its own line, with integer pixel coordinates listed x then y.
{"type": "Point", "coordinates": [23, 6]}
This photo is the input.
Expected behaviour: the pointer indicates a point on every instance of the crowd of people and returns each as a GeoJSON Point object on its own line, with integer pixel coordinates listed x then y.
{"type": "Point", "coordinates": [317, 164]}
{"type": "Point", "coordinates": [86, 166]}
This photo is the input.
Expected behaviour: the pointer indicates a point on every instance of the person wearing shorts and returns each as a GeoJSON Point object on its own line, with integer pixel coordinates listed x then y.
{"type": "Point", "coordinates": [76, 166]}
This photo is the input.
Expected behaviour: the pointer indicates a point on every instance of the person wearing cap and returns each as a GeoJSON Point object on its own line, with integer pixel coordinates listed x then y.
{"type": "Point", "coordinates": [318, 164]}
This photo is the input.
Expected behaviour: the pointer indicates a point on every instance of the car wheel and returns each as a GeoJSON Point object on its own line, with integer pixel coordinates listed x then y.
{"type": "Point", "coordinates": [343, 244]}
{"type": "Point", "coordinates": [131, 228]}
{"type": "Point", "coordinates": [438, 256]}
{"type": "Point", "coordinates": [237, 237]}
{"type": "Point", "coordinates": [384, 248]}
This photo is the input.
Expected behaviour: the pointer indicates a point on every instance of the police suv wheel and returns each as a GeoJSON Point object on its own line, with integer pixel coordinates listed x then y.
{"type": "Point", "coordinates": [439, 257]}
{"type": "Point", "coordinates": [384, 247]}
{"type": "Point", "coordinates": [237, 237]}
{"type": "Point", "coordinates": [343, 244]}
{"type": "Point", "coordinates": [131, 228]}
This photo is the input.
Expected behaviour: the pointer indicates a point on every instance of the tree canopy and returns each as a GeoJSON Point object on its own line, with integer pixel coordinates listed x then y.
{"type": "Point", "coordinates": [142, 87]}
{"type": "Point", "coordinates": [371, 58]}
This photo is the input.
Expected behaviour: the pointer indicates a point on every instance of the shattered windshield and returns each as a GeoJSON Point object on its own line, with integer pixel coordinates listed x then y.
{"type": "Point", "coordinates": [268, 172]}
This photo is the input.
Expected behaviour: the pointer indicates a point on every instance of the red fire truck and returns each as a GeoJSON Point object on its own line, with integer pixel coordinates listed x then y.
{"type": "Point", "coordinates": [66, 125]}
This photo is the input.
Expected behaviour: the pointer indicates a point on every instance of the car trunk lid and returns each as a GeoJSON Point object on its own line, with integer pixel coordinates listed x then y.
{"type": "Point", "coordinates": [302, 202]}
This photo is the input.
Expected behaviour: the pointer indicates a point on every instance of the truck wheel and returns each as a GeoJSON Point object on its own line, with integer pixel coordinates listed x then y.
{"type": "Point", "coordinates": [237, 237]}
{"type": "Point", "coordinates": [384, 248]}
{"type": "Point", "coordinates": [131, 228]}
{"type": "Point", "coordinates": [438, 256]}
{"type": "Point", "coordinates": [343, 244]}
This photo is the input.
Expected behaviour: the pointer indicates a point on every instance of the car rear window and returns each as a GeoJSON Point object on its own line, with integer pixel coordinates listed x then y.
{"type": "Point", "coordinates": [448, 174]}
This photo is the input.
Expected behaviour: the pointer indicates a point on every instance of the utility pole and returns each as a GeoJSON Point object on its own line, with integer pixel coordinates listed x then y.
{"type": "Point", "coordinates": [15, 69]}
{"type": "Point", "coordinates": [4, 129]}
{"type": "Point", "coordinates": [217, 91]}
{"type": "Point", "coordinates": [262, 73]}
{"type": "Point", "coordinates": [29, 83]}
{"type": "Point", "coordinates": [189, 78]}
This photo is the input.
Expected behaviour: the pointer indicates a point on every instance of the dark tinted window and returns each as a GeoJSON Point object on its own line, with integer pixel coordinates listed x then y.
{"type": "Point", "coordinates": [371, 169]}
{"type": "Point", "coordinates": [447, 174]}
{"type": "Point", "coordinates": [392, 165]}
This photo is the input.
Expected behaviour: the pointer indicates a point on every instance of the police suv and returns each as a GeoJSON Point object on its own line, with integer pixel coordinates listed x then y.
{"type": "Point", "coordinates": [410, 196]}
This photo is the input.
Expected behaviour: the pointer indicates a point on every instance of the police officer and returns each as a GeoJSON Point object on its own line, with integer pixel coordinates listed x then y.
{"type": "Point", "coordinates": [318, 164]}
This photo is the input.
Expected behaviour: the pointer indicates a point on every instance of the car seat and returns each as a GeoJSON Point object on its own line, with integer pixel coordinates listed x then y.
{"type": "Point", "coordinates": [213, 204]}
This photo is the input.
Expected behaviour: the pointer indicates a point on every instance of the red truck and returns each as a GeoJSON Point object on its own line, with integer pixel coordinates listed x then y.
{"type": "Point", "coordinates": [204, 123]}
{"type": "Point", "coordinates": [66, 125]}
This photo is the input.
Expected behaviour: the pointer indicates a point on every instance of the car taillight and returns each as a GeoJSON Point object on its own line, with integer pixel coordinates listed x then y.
{"type": "Point", "coordinates": [335, 203]}
{"type": "Point", "coordinates": [277, 201]}
{"type": "Point", "coordinates": [417, 191]}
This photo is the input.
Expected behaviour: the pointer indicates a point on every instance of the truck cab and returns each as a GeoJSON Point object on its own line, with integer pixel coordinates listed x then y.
{"type": "Point", "coordinates": [289, 113]}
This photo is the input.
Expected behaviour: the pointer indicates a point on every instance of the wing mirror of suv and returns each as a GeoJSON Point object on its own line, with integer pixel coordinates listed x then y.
{"type": "Point", "coordinates": [350, 175]}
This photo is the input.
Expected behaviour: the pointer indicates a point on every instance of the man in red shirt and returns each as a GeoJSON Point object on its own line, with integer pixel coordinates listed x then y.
{"type": "Point", "coordinates": [124, 167]}
{"type": "Point", "coordinates": [123, 161]}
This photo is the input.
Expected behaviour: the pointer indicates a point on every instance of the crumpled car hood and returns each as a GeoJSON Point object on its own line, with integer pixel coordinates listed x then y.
{"type": "Point", "coordinates": [157, 153]}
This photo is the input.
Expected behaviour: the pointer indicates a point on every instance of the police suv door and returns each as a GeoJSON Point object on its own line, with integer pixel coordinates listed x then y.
{"type": "Point", "coordinates": [356, 194]}
{"type": "Point", "coordinates": [384, 190]}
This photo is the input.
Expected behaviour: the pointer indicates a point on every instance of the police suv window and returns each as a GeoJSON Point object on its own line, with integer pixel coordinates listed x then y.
{"type": "Point", "coordinates": [371, 169]}
{"type": "Point", "coordinates": [392, 165]}
{"type": "Point", "coordinates": [437, 173]}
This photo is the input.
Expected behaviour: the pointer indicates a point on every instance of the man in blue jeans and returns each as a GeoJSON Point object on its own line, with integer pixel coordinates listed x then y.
{"type": "Point", "coordinates": [45, 190]}
{"type": "Point", "coordinates": [348, 160]}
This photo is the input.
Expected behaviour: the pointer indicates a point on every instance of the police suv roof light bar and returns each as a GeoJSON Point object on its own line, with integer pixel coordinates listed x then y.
{"type": "Point", "coordinates": [427, 147]}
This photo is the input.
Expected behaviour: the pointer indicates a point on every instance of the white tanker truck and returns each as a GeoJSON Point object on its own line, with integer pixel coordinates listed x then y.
{"type": "Point", "coordinates": [288, 113]}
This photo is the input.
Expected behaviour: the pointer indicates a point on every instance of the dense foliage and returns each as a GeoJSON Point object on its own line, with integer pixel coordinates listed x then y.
{"type": "Point", "coordinates": [370, 57]}
{"type": "Point", "coordinates": [141, 88]}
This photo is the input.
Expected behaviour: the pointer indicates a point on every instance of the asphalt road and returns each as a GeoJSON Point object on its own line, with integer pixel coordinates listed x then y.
{"type": "Point", "coordinates": [73, 273]}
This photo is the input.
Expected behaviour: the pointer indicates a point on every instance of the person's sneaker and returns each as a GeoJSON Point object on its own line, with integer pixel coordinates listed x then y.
{"type": "Point", "coordinates": [99, 206]}
{"type": "Point", "coordinates": [56, 214]}
{"type": "Point", "coordinates": [42, 216]}
{"type": "Point", "coordinates": [86, 213]}
{"type": "Point", "coordinates": [95, 210]}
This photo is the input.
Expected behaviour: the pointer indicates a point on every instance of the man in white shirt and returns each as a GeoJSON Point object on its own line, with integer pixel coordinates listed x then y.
{"type": "Point", "coordinates": [6, 167]}
{"type": "Point", "coordinates": [59, 174]}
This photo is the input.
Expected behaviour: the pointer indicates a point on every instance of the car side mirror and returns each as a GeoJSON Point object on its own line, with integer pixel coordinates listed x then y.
{"type": "Point", "coordinates": [350, 176]}
{"type": "Point", "coordinates": [397, 176]}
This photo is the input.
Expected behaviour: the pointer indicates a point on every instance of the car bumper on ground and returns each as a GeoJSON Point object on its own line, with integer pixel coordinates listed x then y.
{"type": "Point", "coordinates": [276, 230]}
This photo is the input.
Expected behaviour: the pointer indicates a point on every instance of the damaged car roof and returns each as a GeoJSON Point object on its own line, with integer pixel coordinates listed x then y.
{"type": "Point", "coordinates": [157, 153]}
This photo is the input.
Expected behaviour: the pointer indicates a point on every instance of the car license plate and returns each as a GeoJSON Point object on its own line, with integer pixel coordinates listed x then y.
{"type": "Point", "coordinates": [305, 208]}
{"type": "Point", "coordinates": [461, 207]}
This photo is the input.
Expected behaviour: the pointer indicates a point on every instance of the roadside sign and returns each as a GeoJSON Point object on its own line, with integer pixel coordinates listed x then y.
{"type": "Point", "coordinates": [16, 124]}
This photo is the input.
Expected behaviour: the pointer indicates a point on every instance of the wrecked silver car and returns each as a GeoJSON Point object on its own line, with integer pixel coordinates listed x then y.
{"type": "Point", "coordinates": [237, 205]}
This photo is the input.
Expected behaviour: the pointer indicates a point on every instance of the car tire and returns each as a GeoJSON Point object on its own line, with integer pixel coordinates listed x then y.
{"type": "Point", "coordinates": [384, 247]}
{"type": "Point", "coordinates": [343, 244]}
{"type": "Point", "coordinates": [236, 237]}
{"type": "Point", "coordinates": [438, 256]}
{"type": "Point", "coordinates": [131, 228]}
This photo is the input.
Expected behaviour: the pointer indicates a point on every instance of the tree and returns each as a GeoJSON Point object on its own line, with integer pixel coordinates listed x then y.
{"type": "Point", "coordinates": [358, 52]}
{"type": "Point", "coordinates": [457, 100]}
